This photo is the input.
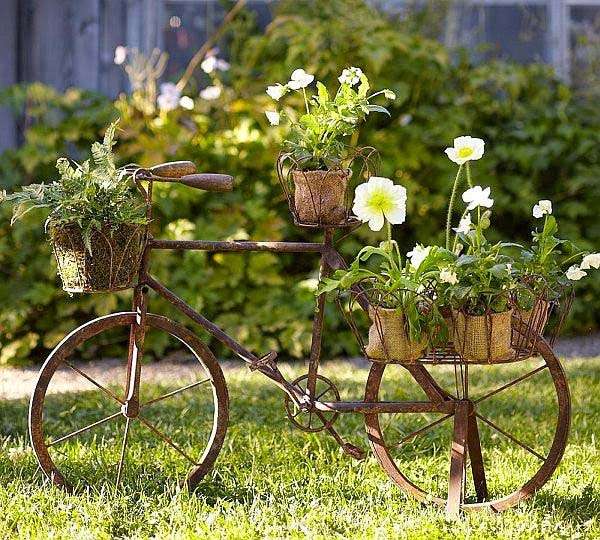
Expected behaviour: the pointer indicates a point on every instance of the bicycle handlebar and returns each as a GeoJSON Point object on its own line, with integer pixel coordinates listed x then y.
{"type": "Point", "coordinates": [184, 172]}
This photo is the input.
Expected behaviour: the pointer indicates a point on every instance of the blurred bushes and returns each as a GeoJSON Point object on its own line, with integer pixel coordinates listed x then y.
{"type": "Point", "coordinates": [541, 143]}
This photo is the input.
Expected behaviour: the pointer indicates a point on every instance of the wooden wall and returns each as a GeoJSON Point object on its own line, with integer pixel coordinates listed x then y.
{"type": "Point", "coordinates": [67, 43]}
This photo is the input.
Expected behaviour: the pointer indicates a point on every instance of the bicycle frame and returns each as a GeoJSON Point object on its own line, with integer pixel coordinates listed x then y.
{"type": "Point", "coordinates": [330, 260]}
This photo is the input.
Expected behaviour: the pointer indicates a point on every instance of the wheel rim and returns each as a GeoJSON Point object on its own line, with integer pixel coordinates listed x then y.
{"type": "Point", "coordinates": [384, 451]}
{"type": "Point", "coordinates": [39, 417]}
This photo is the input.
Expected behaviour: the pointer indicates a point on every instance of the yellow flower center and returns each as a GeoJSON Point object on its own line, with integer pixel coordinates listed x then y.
{"type": "Point", "coordinates": [380, 200]}
{"type": "Point", "coordinates": [465, 152]}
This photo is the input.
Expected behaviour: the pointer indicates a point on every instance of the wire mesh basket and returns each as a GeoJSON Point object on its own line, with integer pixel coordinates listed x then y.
{"type": "Point", "coordinates": [112, 263]}
{"type": "Point", "coordinates": [323, 198]}
{"type": "Point", "coordinates": [452, 336]}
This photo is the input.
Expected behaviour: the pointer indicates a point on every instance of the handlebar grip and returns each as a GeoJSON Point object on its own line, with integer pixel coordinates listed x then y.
{"type": "Point", "coordinates": [174, 169]}
{"type": "Point", "coordinates": [208, 181]}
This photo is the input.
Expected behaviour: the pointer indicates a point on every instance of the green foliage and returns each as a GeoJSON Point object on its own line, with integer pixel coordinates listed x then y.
{"type": "Point", "coordinates": [90, 195]}
{"type": "Point", "coordinates": [541, 143]}
{"type": "Point", "coordinates": [318, 138]}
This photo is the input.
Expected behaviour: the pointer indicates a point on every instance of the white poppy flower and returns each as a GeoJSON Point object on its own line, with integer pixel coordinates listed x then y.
{"type": "Point", "coordinates": [168, 98]}
{"type": "Point", "coordinates": [542, 207]}
{"type": "Point", "coordinates": [575, 273]}
{"type": "Point", "coordinates": [465, 149]}
{"type": "Point", "coordinates": [210, 92]}
{"type": "Point", "coordinates": [418, 255]}
{"type": "Point", "coordinates": [380, 199]}
{"type": "Point", "coordinates": [448, 276]}
{"type": "Point", "coordinates": [276, 91]}
{"type": "Point", "coordinates": [477, 196]}
{"type": "Point", "coordinates": [350, 76]}
{"type": "Point", "coordinates": [273, 117]}
{"type": "Point", "coordinates": [186, 102]}
{"type": "Point", "coordinates": [590, 261]}
{"type": "Point", "coordinates": [464, 225]}
{"type": "Point", "coordinates": [300, 79]}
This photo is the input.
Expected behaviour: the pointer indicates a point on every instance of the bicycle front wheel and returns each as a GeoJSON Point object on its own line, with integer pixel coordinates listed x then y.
{"type": "Point", "coordinates": [79, 432]}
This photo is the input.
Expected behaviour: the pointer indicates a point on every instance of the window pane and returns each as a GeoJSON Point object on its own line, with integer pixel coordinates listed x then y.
{"type": "Point", "coordinates": [585, 49]}
{"type": "Point", "coordinates": [518, 32]}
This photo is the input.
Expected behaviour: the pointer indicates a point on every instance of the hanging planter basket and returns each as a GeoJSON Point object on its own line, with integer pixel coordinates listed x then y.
{"type": "Point", "coordinates": [323, 198]}
{"type": "Point", "coordinates": [112, 264]}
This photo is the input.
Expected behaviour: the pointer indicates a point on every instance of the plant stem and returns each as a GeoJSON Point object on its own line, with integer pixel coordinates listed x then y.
{"type": "Point", "coordinates": [388, 226]}
{"type": "Point", "coordinates": [451, 206]}
{"type": "Point", "coordinates": [305, 100]}
{"type": "Point", "coordinates": [469, 182]}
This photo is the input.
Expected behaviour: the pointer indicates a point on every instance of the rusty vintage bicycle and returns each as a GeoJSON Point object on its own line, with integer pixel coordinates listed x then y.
{"type": "Point", "coordinates": [397, 426]}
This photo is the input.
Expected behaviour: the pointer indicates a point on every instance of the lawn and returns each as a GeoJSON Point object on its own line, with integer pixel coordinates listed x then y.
{"type": "Point", "coordinates": [272, 481]}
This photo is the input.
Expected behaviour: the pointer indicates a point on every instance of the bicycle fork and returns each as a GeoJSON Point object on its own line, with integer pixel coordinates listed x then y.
{"type": "Point", "coordinates": [131, 407]}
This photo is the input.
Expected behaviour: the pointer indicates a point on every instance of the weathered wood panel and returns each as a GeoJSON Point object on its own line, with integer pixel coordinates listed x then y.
{"type": "Point", "coordinates": [84, 27]}
{"type": "Point", "coordinates": [8, 67]}
{"type": "Point", "coordinates": [113, 32]}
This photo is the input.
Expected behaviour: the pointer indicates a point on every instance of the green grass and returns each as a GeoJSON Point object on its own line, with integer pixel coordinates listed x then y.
{"type": "Point", "coordinates": [271, 481]}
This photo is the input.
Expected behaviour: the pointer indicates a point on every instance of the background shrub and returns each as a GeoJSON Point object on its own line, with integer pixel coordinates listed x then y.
{"type": "Point", "coordinates": [541, 143]}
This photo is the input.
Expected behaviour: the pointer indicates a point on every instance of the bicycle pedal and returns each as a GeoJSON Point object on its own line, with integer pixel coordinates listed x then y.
{"type": "Point", "coordinates": [354, 451]}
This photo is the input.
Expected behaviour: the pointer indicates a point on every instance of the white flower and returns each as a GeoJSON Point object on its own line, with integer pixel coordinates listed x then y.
{"type": "Point", "coordinates": [509, 267]}
{"type": "Point", "coordinates": [300, 79]}
{"type": "Point", "coordinates": [120, 55]}
{"type": "Point", "coordinates": [389, 94]}
{"type": "Point", "coordinates": [590, 261]}
{"type": "Point", "coordinates": [210, 92]}
{"type": "Point", "coordinates": [377, 199]}
{"type": "Point", "coordinates": [448, 276]}
{"type": "Point", "coordinates": [574, 273]}
{"type": "Point", "coordinates": [477, 196]}
{"type": "Point", "coordinates": [168, 98]}
{"type": "Point", "coordinates": [210, 63]}
{"type": "Point", "coordinates": [418, 255]}
{"type": "Point", "coordinates": [465, 149]}
{"type": "Point", "coordinates": [186, 102]}
{"type": "Point", "coordinates": [542, 207]}
{"type": "Point", "coordinates": [276, 91]}
{"type": "Point", "coordinates": [350, 76]}
{"type": "Point", "coordinates": [464, 225]}
{"type": "Point", "coordinates": [273, 117]}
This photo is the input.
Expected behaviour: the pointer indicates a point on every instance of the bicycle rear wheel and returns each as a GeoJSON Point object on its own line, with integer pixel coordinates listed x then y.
{"type": "Point", "coordinates": [79, 432]}
{"type": "Point", "coordinates": [509, 442]}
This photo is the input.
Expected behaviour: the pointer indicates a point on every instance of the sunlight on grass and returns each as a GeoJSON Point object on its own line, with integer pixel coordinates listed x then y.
{"type": "Point", "coordinates": [272, 481]}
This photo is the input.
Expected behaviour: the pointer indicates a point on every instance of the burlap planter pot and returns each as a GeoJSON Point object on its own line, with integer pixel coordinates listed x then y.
{"type": "Point", "coordinates": [483, 338]}
{"type": "Point", "coordinates": [113, 263]}
{"type": "Point", "coordinates": [388, 339]}
{"type": "Point", "coordinates": [320, 196]}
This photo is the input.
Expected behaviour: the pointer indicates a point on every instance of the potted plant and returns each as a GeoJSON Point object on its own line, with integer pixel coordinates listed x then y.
{"type": "Point", "coordinates": [546, 269]}
{"type": "Point", "coordinates": [316, 154]}
{"type": "Point", "coordinates": [96, 223]}
{"type": "Point", "coordinates": [476, 289]}
{"type": "Point", "coordinates": [401, 305]}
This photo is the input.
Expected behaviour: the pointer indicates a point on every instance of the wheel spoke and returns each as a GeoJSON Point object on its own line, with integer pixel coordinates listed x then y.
{"type": "Point", "coordinates": [83, 429]}
{"type": "Point", "coordinates": [123, 448]}
{"type": "Point", "coordinates": [511, 437]}
{"type": "Point", "coordinates": [86, 376]}
{"type": "Point", "coordinates": [509, 384]}
{"type": "Point", "coordinates": [166, 439]}
{"type": "Point", "coordinates": [422, 430]}
{"type": "Point", "coordinates": [174, 392]}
